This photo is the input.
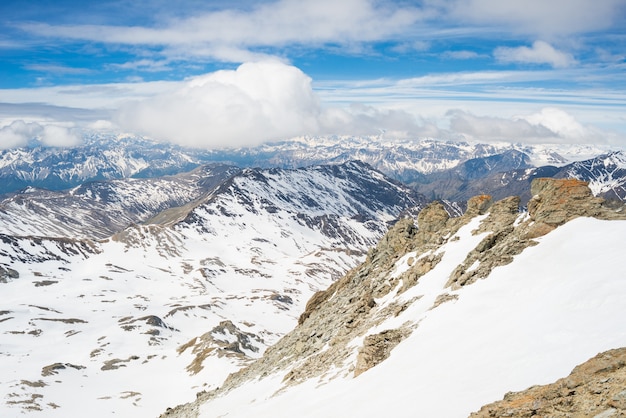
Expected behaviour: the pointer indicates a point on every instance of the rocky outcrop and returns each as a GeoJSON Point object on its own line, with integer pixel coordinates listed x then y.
{"type": "Point", "coordinates": [596, 388]}
{"type": "Point", "coordinates": [354, 309]}
{"type": "Point", "coordinates": [225, 339]}
{"type": "Point", "coordinates": [376, 348]}
{"type": "Point", "coordinates": [554, 202]}
{"type": "Point", "coordinates": [7, 274]}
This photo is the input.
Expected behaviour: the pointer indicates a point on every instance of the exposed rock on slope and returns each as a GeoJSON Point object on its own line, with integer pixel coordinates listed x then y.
{"type": "Point", "coordinates": [554, 202]}
{"type": "Point", "coordinates": [354, 324]}
{"type": "Point", "coordinates": [191, 297]}
{"type": "Point", "coordinates": [596, 388]}
{"type": "Point", "coordinates": [511, 174]}
{"type": "Point", "coordinates": [98, 209]}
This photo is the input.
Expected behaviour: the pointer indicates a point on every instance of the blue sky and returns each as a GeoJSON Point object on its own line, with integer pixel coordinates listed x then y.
{"type": "Point", "coordinates": [526, 71]}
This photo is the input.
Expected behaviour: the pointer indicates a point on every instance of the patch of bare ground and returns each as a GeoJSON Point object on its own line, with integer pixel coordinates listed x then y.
{"type": "Point", "coordinates": [45, 283]}
{"type": "Point", "coordinates": [54, 368]}
{"type": "Point", "coordinates": [117, 363]}
{"type": "Point", "coordinates": [64, 320]}
{"type": "Point", "coordinates": [30, 404]}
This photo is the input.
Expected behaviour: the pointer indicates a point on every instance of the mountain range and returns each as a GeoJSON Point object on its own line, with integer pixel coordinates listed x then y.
{"type": "Point", "coordinates": [185, 297]}
{"type": "Point", "coordinates": [448, 314]}
{"type": "Point", "coordinates": [138, 274]}
{"type": "Point", "coordinates": [117, 156]}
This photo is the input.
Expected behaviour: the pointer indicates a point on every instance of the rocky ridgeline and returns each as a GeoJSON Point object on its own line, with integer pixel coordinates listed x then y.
{"type": "Point", "coordinates": [596, 388]}
{"type": "Point", "coordinates": [322, 345]}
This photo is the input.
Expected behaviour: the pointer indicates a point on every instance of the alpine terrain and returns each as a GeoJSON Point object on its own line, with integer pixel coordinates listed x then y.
{"type": "Point", "coordinates": [449, 314]}
{"type": "Point", "coordinates": [143, 319]}
{"type": "Point", "coordinates": [136, 274]}
{"type": "Point", "coordinates": [439, 169]}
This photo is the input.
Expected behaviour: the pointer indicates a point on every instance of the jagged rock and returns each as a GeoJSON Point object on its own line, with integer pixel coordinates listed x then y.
{"type": "Point", "coordinates": [7, 274]}
{"type": "Point", "coordinates": [397, 240]}
{"type": "Point", "coordinates": [218, 342]}
{"type": "Point", "coordinates": [53, 369]}
{"type": "Point", "coordinates": [556, 201]}
{"type": "Point", "coordinates": [595, 388]}
{"type": "Point", "coordinates": [443, 298]}
{"type": "Point", "coordinates": [501, 214]}
{"type": "Point", "coordinates": [432, 218]}
{"type": "Point", "coordinates": [477, 205]}
{"type": "Point", "coordinates": [496, 249]}
{"type": "Point", "coordinates": [418, 269]}
{"type": "Point", "coordinates": [376, 348]}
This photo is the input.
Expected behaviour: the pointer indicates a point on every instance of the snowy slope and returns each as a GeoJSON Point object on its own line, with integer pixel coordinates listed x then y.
{"type": "Point", "coordinates": [606, 174]}
{"type": "Point", "coordinates": [98, 209]}
{"type": "Point", "coordinates": [140, 322]}
{"type": "Point", "coordinates": [530, 322]}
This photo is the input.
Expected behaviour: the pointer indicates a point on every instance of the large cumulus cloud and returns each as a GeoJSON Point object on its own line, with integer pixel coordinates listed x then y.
{"type": "Point", "coordinates": [254, 103]}
{"type": "Point", "coordinates": [257, 102]}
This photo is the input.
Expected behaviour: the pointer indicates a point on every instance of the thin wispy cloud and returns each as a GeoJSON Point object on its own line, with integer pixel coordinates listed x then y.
{"type": "Point", "coordinates": [226, 33]}
{"type": "Point", "coordinates": [463, 55]}
{"type": "Point", "coordinates": [539, 53]}
{"type": "Point", "coordinates": [57, 69]}
{"type": "Point", "coordinates": [553, 18]}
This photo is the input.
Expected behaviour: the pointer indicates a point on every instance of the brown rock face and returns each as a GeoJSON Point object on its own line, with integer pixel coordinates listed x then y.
{"type": "Point", "coordinates": [376, 348]}
{"type": "Point", "coordinates": [477, 205]}
{"type": "Point", "coordinates": [556, 201]}
{"type": "Point", "coordinates": [596, 388]}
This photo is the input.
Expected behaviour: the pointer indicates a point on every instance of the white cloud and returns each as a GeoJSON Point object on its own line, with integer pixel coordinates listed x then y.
{"type": "Point", "coordinates": [58, 136]}
{"type": "Point", "coordinates": [360, 119]}
{"type": "Point", "coordinates": [489, 128]}
{"type": "Point", "coordinates": [257, 102]}
{"type": "Point", "coordinates": [17, 134]}
{"type": "Point", "coordinates": [549, 125]}
{"type": "Point", "coordinates": [413, 46]}
{"type": "Point", "coordinates": [20, 134]}
{"type": "Point", "coordinates": [57, 69]}
{"type": "Point", "coordinates": [266, 100]}
{"type": "Point", "coordinates": [538, 17]}
{"type": "Point", "coordinates": [562, 124]}
{"type": "Point", "coordinates": [462, 55]}
{"type": "Point", "coordinates": [143, 65]}
{"type": "Point", "coordinates": [230, 34]}
{"type": "Point", "coordinates": [540, 53]}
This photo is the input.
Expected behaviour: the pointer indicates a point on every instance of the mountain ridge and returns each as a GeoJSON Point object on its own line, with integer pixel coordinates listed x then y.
{"type": "Point", "coordinates": [355, 324]}
{"type": "Point", "coordinates": [113, 156]}
{"type": "Point", "coordinates": [193, 296]}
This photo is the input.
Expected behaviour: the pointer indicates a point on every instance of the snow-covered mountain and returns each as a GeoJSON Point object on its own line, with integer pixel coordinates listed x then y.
{"type": "Point", "coordinates": [450, 314]}
{"type": "Point", "coordinates": [133, 324]}
{"type": "Point", "coordinates": [99, 157]}
{"type": "Point", "coordinates": [606, 174]}
{"type": "Point", "coordinates": [511, 173]}
{"type": "Point", "coordinates": [98, 209]}
{"type": "Point", "coordinates": [115, 156]}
